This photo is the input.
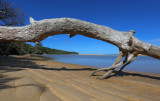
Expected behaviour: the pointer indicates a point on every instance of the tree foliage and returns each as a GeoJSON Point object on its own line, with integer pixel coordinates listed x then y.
{"type": "Point", "coordinates": [23, 48]}
{"type": "Point", "coordinates": [10, 15]}
{"type": "Point", "coordinates": [39, 49]}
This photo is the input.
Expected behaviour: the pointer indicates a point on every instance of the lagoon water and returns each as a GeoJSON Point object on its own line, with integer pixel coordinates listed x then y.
{"type": "Point", "coordinates": [141, 64]}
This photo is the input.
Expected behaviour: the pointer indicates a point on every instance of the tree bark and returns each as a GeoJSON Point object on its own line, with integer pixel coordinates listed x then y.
{"type": "Point", "coordinates": [39, 30]}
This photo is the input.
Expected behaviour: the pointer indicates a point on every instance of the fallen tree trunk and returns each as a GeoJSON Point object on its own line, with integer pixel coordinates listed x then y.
{"type": "Point", "coordinates": [39, 30]}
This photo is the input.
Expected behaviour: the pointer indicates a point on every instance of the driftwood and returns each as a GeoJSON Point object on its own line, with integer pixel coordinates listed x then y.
{"type": "Point", "coordinates": [129, 46]}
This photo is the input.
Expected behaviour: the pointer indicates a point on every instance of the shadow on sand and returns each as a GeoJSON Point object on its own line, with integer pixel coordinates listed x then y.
{"type": "Point", "coordinates": [125, 73]}
{"type": "Point", "coordinates": [12, 64]}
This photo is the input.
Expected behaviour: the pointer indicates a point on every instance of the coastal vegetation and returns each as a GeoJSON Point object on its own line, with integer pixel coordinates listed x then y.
{"type": "Point", "coordinates": [14, 16]}
{"type": "Point", "coordinates": [15, 48]}
{"type": "Point", "coordinates": [39, 49]}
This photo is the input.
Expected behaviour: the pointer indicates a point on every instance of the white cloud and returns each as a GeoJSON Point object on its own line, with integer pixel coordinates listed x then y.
{"type": "Point", "coordinates": [154, 41]}
{"type": "Point", "coordinates": [51, 37]}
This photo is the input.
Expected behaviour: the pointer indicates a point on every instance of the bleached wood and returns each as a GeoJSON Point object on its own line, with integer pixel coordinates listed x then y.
{"type": "Point", "coordinates": [39, 30]}
{"type": "Point", "coordinates": [118, 60]}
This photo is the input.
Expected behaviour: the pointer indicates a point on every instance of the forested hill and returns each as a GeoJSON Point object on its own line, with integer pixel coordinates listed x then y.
{"type": "Point", "coordinates": [46, 50]}
{"type": "Point", "coordinates": [15, 48]}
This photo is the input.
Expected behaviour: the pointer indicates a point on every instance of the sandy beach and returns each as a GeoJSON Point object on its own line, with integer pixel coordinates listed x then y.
{"type": "Point", "coordinates": [26, 78]}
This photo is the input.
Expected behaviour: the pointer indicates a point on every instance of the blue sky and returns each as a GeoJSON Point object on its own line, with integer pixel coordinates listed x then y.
{"type": "Point", "coordinates": [143, 16]}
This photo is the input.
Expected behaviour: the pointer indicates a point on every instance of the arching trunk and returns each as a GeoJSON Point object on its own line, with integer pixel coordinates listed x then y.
{"type": "Point", "coordinates": [39, 30]}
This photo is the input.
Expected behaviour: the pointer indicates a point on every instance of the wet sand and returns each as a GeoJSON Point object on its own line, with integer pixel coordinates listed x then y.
{"type": "Point", "coordinates": [25, 78]}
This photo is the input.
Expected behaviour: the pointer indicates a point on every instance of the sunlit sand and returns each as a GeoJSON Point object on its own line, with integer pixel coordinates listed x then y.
{"type": "Point", "coordinates": [25, 78]}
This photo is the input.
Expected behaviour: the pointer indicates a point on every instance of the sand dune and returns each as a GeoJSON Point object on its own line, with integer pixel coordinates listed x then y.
{"type": "Point", "coordinates": [25, 78]}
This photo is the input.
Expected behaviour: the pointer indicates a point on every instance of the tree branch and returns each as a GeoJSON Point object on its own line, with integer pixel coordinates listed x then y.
{"type": "Point", "coordinates": [110, 69]}
{"type": "Point", "coordinates": [134, 58]}
{"type": "Point", "coordinates": [39, 30]}
{"type": "Point", "coordinates": [118, 60]}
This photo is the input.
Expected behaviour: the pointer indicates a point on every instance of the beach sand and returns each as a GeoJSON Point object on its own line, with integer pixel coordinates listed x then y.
{"type": "Point", "coordinates": [25, 78]}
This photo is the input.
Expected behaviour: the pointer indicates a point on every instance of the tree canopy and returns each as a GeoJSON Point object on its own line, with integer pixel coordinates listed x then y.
{"type": "Point", "coordinates": [10, 15]}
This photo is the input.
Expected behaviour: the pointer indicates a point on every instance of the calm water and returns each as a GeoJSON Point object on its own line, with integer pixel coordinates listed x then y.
{"type": "Point", "coordinates": [141, 64]}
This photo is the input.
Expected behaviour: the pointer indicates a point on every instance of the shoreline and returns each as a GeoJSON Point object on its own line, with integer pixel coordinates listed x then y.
{"type": "Point", "coordinates": [102, 64]}
{"type": "Point", "coordinates": [90, 54]}
{"type": "Point", "coordinates": [26, 78]}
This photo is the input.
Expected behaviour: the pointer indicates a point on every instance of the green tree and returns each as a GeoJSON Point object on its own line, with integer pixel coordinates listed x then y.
{"type": "Point", "coordinates": [11, 16]}
{"type": "Point", "coordinates": [38, 48]}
